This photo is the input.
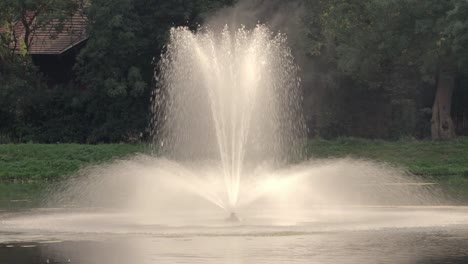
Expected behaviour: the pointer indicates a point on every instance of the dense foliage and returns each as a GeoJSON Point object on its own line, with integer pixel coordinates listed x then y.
{"type": "Point", "coordinates": [386, 67]}
{"type": "Point", "coordinates": [373, 68]}
{"type": "Point", "coordinates": [108, 98]}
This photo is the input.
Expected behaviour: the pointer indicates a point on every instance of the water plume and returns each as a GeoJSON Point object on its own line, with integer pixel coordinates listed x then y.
{"type": "Point", "coordinates": [228, 124]}
{"type": "Point", "coordinates": [231, 97]}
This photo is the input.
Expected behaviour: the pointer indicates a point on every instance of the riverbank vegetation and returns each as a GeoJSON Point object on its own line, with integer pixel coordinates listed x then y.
{"type": "Point", "coordinates": [38, 162]}
{"type": "Point", "coordinates": [425, 158]}
{"type": "Point", "coordinates": [26, 170]}
{"type": "Point", "coordinates": [44, 162]}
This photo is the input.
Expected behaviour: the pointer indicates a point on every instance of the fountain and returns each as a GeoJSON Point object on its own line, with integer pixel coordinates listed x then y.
{"type": "Point", "coordinates": [228, 125]}
{"type": "Point", "coordinates": [231, 98]}
{"type": "Point", "coordinates": [227, 121]}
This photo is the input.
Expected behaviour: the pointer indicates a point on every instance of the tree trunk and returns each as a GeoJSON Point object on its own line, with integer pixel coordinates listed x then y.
{"type": "Point", "coordinates": [442, 126]}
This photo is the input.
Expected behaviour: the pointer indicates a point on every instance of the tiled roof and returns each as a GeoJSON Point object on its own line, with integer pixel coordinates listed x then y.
{"type": "Point", "coordinates": [47, 40]}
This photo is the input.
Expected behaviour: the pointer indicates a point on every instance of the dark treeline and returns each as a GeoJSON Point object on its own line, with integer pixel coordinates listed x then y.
{"type": "Point", "coordinates": [373, 68]}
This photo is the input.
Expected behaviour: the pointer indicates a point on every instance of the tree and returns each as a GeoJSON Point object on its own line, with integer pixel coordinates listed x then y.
{"type": "Point", "coordinates": [383, 43]}
{"type": "Point", "coordinates": [451, 61]}
{"type": "Point", "coordinates": [22, 92]}
{"type": "Point", "coordinates": [117, 66]}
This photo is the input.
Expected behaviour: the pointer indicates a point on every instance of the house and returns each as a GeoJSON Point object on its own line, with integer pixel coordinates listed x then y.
{"type": "Point", "coordinates": [53, 47]}
{"type": "Point", "coordinates": [55, 53]}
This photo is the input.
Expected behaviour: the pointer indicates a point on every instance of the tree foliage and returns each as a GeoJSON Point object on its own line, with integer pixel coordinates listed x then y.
{"type": "Point", "coordinates": [372, 68]}
{"type": "Point", "coordinates": [117, 66]}
{"type": "Point", "coordinates": [23, 94]}
{"type": "Point", "coordinates": [108, 100]}
{"type": "Point", "coordinates": [394, 52]}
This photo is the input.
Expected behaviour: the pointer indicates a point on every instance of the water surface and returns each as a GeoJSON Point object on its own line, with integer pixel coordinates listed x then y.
{"type": "Point", "coordinates": [353, 235]}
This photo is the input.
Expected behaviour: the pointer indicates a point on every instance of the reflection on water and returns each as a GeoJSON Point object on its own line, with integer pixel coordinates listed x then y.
{"type": "Point", "coordinates": [421, 246]}
{"type": "Point", "coordinates": [401, 235]}
{"type": "Point", "coordinates": [20, 195]}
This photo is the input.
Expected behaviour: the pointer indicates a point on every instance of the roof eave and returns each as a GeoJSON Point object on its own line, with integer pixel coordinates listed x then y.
{"type": "Point", "coordinates": [74, 44]}
{"type": "Point", "coordinates": [62, 51]}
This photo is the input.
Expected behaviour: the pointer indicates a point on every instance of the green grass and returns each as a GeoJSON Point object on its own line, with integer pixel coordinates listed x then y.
{"type": "Point", "coordinates": [425, 158]}
{"type": "Point", "coordinates": [40, 162]}
{"type": "Point", "coordinates": [445, 163]}
{"type": "Point", "coordinates": [34, 164]}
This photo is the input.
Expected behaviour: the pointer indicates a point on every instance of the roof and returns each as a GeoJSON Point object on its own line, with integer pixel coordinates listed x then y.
{"type": "Point", "coordinates": [47, 41]}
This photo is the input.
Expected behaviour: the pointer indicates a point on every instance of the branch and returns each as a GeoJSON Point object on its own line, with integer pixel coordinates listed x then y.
{"type": "Point", "coordinates": [33, 25]}
{"type": "Point", "coordinates": [15, 40]}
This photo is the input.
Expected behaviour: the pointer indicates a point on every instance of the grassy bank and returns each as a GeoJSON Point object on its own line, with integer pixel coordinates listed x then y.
{"type": "Point", "coordinates": [445, 163]}
{"type": "Point", "coordinates": [442, 162]}
{"type": "Point", "coordinates": [425, 158]}
{"type": "Point", "coordinates": [40, 162]}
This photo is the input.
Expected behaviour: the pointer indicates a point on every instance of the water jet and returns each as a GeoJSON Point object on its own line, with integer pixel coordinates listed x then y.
{"type": "Point", "coordinates": [227, 121]}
